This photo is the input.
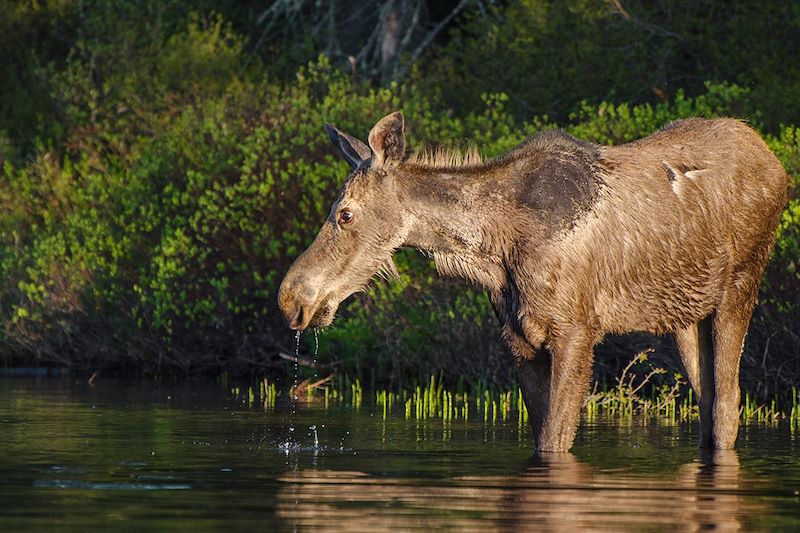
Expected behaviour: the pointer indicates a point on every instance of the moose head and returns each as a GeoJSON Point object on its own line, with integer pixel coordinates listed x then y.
{"type": "Point", "coordinates": [364, 227]}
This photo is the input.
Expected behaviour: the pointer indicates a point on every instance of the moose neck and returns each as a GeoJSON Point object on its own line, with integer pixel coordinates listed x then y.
{"type": "Point", "coordinates": [460, 221]}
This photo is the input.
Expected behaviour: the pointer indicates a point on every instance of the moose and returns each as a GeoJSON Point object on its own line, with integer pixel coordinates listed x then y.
{"type": "Point", "coordinates": [572, 241]}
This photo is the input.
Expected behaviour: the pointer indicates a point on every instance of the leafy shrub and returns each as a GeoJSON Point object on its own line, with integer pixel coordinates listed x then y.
{"type": "Point", "coordinates": [549, 56]}
{"type": "Point", "coordinates": [153, 229]}
{"type": "Point", "coordinates": [607, 123]}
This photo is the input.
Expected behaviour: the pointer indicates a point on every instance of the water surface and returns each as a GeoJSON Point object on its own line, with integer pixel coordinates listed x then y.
{"type": "Point", "coordinates": [188, 457]}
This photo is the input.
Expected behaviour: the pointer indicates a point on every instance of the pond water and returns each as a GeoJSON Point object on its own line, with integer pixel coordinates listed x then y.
{"type": "Point", "coordinates": [186, 457]}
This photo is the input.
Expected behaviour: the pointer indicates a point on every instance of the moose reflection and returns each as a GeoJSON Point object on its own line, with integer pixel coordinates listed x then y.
{"type": "Point", "coordinates": [554, 492]}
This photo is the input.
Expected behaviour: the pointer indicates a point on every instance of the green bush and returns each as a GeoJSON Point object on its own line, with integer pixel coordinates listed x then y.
{"type": "Point", "coordinates": [158, 234]}
{"type": "Point", "coordinates": [607, 123]}
{"type": "Point", "coordinates": [175, 183]}
{"type": "Point", "coordinates": [549, 56]}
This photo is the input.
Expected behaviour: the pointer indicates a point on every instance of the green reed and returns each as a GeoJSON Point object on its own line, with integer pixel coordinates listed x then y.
{"type": "Point", "coordinates": [633, 394]}
{"type": "Point", "coordinates": [794, 416]}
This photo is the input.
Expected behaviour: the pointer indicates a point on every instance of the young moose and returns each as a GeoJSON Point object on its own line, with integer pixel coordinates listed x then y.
{"type": "Point", "coordinates": [572, 241]}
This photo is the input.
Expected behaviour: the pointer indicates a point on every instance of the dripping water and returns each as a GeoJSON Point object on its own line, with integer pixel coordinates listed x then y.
{"type": "Point", "coordinates": [316, 376]}
{"type": "Point", "coordinates": [316, 351]}
{"type": "Point", "coordinates": [289, 443]}
{"type": "Point", "coordinates": [296, 360]}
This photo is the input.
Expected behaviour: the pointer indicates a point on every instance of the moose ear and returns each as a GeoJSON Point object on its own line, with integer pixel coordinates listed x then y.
{"type": "Point", "coordinates": [388, 141]}
{"type": "Point", "coordinates": [354, 151]}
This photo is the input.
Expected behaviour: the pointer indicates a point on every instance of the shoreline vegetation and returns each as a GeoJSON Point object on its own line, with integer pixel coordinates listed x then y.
{"type": "Point", "coordinates": [629, 396]}
{"type": "Point", "coordinates": [161, 165]}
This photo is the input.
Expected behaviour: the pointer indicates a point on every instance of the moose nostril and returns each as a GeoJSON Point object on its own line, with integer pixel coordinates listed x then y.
{"type": "Point", "coordinates": [296, 322]}
{"type": "Point", "coordinates": [297, 298]}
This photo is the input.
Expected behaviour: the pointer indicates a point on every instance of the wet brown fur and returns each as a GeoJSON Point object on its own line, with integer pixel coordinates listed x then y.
{"type": "Point", "coordinates": [668, 234]}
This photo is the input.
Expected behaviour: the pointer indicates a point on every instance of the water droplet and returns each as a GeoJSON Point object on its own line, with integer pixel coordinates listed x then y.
{"type": "Point", "coordinates": [316, 351]}
{"type": "Point", "coordinates": [296, 358]}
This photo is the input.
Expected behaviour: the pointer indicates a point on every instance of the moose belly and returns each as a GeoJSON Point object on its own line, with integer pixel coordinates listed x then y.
{"type": "Point", "coordinates": [659, 288]}
{"type": "Point", "coordinates": [641, 277]}
{"type": "Point", "coordinates": [653, 308]}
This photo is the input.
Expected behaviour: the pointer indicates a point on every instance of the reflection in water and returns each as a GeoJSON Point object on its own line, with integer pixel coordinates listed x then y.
{"type": "Point", "coordinates": [716, 477]}
{"type": "Point", "coordinates": [559, 492]}
{"type": "Point", "coordinates": [556, 492]}
{"type": "Point", "coordinates": [180, 458]}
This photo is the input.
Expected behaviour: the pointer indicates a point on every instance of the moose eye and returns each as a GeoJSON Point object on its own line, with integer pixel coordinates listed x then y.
{"type": "Point", "coordinates": [345, 217]}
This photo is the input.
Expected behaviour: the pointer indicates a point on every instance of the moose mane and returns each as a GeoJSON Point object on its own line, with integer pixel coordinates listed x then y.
{"type": "Point", "coordinates": [445, 157]}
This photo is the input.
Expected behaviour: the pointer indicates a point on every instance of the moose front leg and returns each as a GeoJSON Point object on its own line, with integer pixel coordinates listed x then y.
{"type": "Point", "coordinates": [533, 373]}
{"type": "Point", "coordinates": [554, 385]}
{"type": "Point", "coordinates": [554, 381]}
{"type": "Point", "coordinates": [570, 372]}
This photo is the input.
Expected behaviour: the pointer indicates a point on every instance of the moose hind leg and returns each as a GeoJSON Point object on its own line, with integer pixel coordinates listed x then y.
{"type": "Point", "coordinates": [730, 327]}
{"type": "Point", "coordinates": [696, 350]}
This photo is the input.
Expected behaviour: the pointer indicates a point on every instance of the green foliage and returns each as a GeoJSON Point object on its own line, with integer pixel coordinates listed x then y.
{"type": "Point", "coordinates": [61, 58]}
{"type": "Point", "coordinates": [183, 190]}
{"type": "Point", "coordinates": [549, 56]}
{"type": "Point", "coordinates": [607, 123]}
{"type": "Point", "coordinates": [149, 218]}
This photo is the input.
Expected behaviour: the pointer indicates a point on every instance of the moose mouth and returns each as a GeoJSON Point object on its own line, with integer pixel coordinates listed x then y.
{"type": "Point", "coordinates": [320, 316]}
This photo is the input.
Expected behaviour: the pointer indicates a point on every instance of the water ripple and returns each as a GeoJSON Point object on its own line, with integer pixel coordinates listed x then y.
{"type": "Point", "coordinates": [90, 485]}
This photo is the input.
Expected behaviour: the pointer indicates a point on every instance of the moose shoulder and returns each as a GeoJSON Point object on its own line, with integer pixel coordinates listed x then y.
{"type": "Point", "coordinates": [572, 240]}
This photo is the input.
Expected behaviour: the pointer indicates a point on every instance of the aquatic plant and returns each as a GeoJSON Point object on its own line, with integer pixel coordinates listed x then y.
{"type": "Point", "coordinates": [627, 396]}
{"type": "Point", "coordinates": [634, 394]}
